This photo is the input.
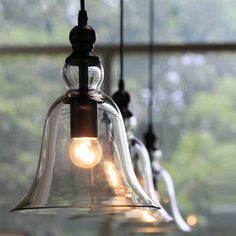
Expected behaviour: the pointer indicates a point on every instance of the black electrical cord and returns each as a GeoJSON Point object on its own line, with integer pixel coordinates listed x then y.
{"type": "Point", "coordinates": [82, 5]}
{"type": "Point", "coordinates": [121, 82]}
{"type": "Point", "coordinates": [151, 140]}
{"type": "Point", "coordinates": [83, 18]}
{"type": "Point", "coordinates": [150, 64]}
{"type": "Point", "coordinates": [122, 97]}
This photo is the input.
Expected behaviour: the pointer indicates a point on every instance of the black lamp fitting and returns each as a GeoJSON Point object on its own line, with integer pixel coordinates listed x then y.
{"type": "Point", "coordinates": [83, 114]}
{"type": "Point", "coordinates": [83, 110]}
{"type": "Point", "coordinates": [122, 100]}
{"type": "Point", "coordinates": [150, 139]}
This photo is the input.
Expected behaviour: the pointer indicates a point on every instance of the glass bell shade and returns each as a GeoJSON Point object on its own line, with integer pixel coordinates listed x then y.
{"type": "Point", "coordinates": [84, 173]}
{"type": "Point", "coordinates": [140, 220]}
{"type": "Point", "coordinates": [169, 199]}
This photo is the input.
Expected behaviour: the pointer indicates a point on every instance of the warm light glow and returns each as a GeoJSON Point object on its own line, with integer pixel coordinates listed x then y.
{"type": "Point", "coordinates": [192, 220]}
{"type": "Point", "coordinates": [151, 230]}
{"type": "Point", "coordinates": [166, 199]}
{"type": "Point", "coordinates": [112, 174]}
{"type": "Point", "coordinates": [147, 216]}
{"type": "Point", "coordinates": [85, 152]}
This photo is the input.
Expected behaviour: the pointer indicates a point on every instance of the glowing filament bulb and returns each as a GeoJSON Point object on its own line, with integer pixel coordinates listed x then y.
{"type": "Point", "coordinates": [85, 152]}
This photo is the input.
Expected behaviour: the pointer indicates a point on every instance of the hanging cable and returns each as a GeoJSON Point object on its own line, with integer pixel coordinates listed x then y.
{"type": "Point", "coordinates": [150, 137]}
{"type": "Point", "coordinates": [82, 5]}
{"type": "Point", "coordinates": [150, 64]}
{"type": "Point", "coordinates": [82, 18]}
{"type": "Point", "coordinates": [121, 82]}
{"type": "Point", "coordinates": [122, 97]}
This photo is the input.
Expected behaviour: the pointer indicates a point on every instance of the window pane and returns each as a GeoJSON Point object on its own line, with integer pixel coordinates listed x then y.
{"type": "Point", "coordinates": [49, 22]}
{"type": "Point", "coordinates": [194, 115]}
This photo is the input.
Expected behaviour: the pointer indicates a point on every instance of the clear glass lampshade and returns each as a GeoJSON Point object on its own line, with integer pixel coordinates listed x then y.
{"type": "Point", "coordinates": [82, 175]}
{"type": "Point", "coordinates": [169, 201]}
{"type": "Point", "coordinates": [141, 219]}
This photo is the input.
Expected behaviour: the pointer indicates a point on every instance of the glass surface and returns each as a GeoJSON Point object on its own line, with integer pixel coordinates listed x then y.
{"type": "Point", "coordinates": [141, 220]}
{"type": "Point", "coordinates": [142, 167]}
{"type": "Point", "coordinates": [67, 183]}
{"type": "Point", "coordinates": [48, 22]}
{"type": "Point", "coordinates": [169, 199]}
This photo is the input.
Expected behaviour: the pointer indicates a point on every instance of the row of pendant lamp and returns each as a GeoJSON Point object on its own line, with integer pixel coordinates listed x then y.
{"type": "Point", "coordinates": [85, 167]}
{"type": "Point", "coordinates": [147, 160]}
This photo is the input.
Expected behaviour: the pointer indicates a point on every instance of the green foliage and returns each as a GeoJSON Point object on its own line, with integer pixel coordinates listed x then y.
{"type": "Point", "coordinates": [206, 151]}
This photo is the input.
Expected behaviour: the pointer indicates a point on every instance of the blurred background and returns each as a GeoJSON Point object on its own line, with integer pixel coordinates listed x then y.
{"type": "Point", "coordinates": [195, 100]}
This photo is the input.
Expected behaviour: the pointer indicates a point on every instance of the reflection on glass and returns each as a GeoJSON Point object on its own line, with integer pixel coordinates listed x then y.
{"type": "Point", "coordinates": [112, 174]}
{"type": "Point", "coordinates": [148, 217]}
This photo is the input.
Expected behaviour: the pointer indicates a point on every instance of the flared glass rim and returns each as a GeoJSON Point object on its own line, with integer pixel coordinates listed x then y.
{"type": "Point", "coordinates": [95, 209]}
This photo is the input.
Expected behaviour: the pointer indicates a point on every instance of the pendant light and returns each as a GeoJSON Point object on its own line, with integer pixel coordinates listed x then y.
{"type": "Point", "coordinates": [139, 154]}
{"type": "Point", "coordinates": [152, 144]}
{"type": "Point", "coordinates": [85, 165]}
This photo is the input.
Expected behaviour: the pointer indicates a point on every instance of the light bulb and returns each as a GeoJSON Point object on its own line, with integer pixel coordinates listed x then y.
{"type": "Point", "coordinates": [85, 152]}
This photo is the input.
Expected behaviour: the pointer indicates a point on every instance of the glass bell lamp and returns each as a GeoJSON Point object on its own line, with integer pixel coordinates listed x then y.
{"type": "Point", "coordinates": [162, 175]}
{"type": "Point", "coordinates": [138, 220]}
{"type": "Point", "coordinates": [84, 166]}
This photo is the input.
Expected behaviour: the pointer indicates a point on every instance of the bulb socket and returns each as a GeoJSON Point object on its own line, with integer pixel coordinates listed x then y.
{"type": "Point", "coordinates": [83, 115]}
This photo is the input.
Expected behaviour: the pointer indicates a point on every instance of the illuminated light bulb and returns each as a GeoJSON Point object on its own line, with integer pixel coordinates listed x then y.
{"type": "Point", "coordinates": [192, 220]}
{"type": "Point", "coordinates": [147, 216]}
{"type": "Point", "coordinates": [85, 152]}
